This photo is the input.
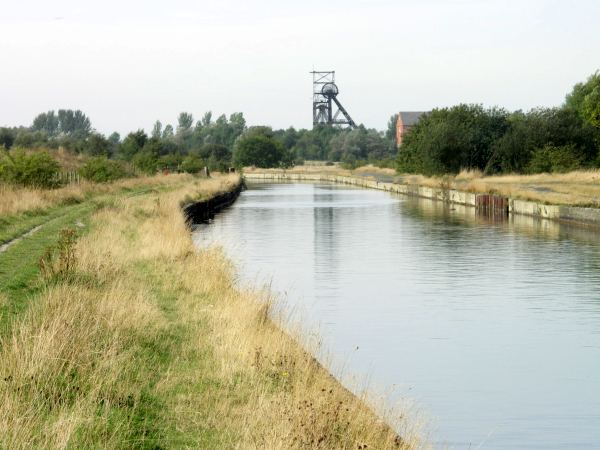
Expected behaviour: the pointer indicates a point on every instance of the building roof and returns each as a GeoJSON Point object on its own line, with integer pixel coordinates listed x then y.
{"type": "Point", "coordinates": [410, 118]}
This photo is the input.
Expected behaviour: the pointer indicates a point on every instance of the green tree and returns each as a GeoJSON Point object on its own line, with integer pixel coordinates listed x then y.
{"type": "Point", "coordinates": [47, 122]}
{"type": "Point", "coordinates": [257, 147]}
{"type": "Point", "coordinates": [132, 144]}
{"type": "Point", "coordinates": [7, 138]}
{"type": "Point", "coordinates": [157, 130]}
{"type": "Point", "coordinates": [74, 123]}
{"type": "Point", "coordinates": [390, 132]}
{"type": "Point", "coordinates": [114, 138]}
{"type": "Point", "coordinates": [97, 145]}
{"type": "Point", "coordinates": [447, 140]}
{"type": "Point", "coordinates": [206, 119]}
{"type": "Point", "coordinates": [167, 132]}
{"type": "Point", "coordinates": [184, 122]}
{"type": "Point", "coordinates": [585, 98]}
{"type": "Point", "coordinates": [591, 107]}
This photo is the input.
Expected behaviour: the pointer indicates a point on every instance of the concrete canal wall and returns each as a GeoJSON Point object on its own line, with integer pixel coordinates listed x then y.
{"type": "Point", "coordinates": [490, 203]}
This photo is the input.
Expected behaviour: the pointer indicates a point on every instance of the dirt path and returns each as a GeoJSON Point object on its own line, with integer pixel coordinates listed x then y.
{"type": "Point", "coordinates": [10, 243]}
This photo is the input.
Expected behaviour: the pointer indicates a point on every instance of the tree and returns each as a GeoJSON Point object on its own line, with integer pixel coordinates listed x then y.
{"type": "Point", "coordinates": [184, 123]}
{"type": "Point", "coordinates": [7, 138]}
{"type": "Point", "coordinates": [237, 124]}
{"type": "Point", "coordinates": [97, 145]}
{"type": "Point", "coordinates": [168, 132]}
{"type": "Point", "coordinates": [206, 118]}
{"type": "Point", "coordinates": [157, 130]}
{"type": "Point", "coordinates": [258, 147]}
{"type": "Point", "coordinates": [390, 132]}
{"type": "Point", "coordinates": [74, 123]}
{"type": "Point", "coordinates": [114, 138]}
{"type": "Point", "coordinates": [447, 140]}
{"type": "Point", "coordinates": [29, 139]}
{"type": "Point", "coordinates": [591, 107]}
{"type": "Point", "coordinates": [133, 144]}
{"type": "Point", "coordinates": [47, 122]}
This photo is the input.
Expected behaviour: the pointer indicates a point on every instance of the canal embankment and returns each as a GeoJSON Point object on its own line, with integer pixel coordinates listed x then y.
{"type": "Point", "coordinates": [137, 338]}
{"type": "Point", "coordinates": [490, 203]}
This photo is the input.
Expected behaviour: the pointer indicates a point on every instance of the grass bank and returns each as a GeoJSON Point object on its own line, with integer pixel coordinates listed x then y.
{"type": "Point", "coordinates": [20, 200]}
{"type": "Point", "coordinates": [139, 340]}
{"type": "Point", "coordinates": [33, 218]}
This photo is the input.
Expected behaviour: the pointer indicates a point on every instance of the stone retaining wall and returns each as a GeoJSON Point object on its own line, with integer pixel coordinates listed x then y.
{"type": "Point", "coordinates": [552, 212]}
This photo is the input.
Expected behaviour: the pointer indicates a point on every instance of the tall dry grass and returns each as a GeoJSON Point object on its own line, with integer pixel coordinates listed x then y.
{"type": "Point", "coordinates": [578, 188]}
{"type": "Point", "coordinates": [15, 200]}
{"type": "Point", "coordinates": [143, 304]}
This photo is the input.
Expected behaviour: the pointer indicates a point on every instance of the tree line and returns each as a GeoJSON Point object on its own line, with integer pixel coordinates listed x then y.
{"type": "Point", "coordinates": [445, 140]}
{"type": "Point", "coordinates": [493, 140]}
{"type": "Point", "coordinates": [188, 146]}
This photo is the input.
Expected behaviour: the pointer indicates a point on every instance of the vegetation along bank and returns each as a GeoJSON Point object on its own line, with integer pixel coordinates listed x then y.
{"type": "Point", "coordinates": [130, 337]}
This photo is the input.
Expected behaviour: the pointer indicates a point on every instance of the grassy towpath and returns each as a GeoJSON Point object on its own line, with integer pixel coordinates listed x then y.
{"type": "Point", "coordinates": [146, 342]}
{"type": "Point", "coordinates": [26, 235]}
{"type": "Point", "coordinates": [19, 263]}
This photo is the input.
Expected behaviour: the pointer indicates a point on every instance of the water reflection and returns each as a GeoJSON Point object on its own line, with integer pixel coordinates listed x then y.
{"type": "Point", "coordinates": [493, 326]}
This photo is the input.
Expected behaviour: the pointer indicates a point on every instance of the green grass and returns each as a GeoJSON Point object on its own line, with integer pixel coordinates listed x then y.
{"type": "Point", "coordinates": [13, 226]}
{"type": "Point", "coordinates": [164, 352]}
{"type": "Point", "coordinates": [19, 272]}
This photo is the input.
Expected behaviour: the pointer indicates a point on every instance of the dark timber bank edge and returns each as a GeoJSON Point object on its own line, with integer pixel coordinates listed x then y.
{"type": "Point", "coordinates": [203, 211]}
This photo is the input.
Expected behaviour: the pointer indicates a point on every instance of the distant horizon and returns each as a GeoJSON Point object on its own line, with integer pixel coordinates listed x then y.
{"type": "Point", "coordinates": [127, 65]}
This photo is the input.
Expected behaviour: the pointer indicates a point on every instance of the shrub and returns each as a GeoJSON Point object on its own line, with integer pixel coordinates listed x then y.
{"type": "Point", "coordinates": [146, 162]}
{"type": "Point", "coordinates": [37, 169]}
{"type": "Point", "coordinates": [102, 170]}
{"type": "Point", "coordinates": [552, 158]}
{"type": "Point", "coordinates": [192, 164]}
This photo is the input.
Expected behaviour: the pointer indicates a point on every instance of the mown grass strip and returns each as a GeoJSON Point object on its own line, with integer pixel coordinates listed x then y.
{"type": "Point", "coordinates": [19, 264]}
{"type": "Point", "coordinates": [13, 226]}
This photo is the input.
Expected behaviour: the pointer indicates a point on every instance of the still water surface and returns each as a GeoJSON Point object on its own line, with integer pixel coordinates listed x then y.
{"type": "Point", "coordinates": [492, 328]}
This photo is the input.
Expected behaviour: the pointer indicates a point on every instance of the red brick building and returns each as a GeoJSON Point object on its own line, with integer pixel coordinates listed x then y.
{"type": "Point", "coordinates": [406, 120]}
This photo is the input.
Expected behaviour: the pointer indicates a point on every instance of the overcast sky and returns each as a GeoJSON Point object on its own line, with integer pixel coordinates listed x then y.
{"type": "Point", "coordinates": [127, 63]}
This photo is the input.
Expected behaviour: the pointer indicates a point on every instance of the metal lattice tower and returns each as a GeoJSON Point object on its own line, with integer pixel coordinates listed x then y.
{"type": "Point", "coordinates": [325, 93]}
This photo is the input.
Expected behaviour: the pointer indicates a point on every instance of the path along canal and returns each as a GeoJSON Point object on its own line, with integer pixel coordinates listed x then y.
{"type": "Point", "coordinates": [493, 328]}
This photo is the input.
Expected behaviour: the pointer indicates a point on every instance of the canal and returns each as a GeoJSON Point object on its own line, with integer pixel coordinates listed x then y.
{"type": "Point", "coordinates": [491, 327]}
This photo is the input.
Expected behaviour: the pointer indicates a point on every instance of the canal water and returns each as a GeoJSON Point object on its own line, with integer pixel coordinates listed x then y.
{"type": "Point", "coordinates": [492, 328]}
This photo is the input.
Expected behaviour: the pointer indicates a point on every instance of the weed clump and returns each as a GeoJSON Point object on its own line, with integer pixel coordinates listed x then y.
{"type": "Point", "coordinates": [58, 262]}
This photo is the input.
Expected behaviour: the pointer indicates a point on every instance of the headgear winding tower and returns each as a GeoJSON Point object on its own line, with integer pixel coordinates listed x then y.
{"type": "Point", "coordinates": [325, 93]}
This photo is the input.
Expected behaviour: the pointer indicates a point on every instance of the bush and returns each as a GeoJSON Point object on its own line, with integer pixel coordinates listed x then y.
{"type": "Point", "coordinates": [102, 170]}
{"type": "Point", "coordinates": [146, 162]}
{"type": "Point", "coordinates": [192, 164]}
{"type": "Point", "coordinates": [37, 169]}
{"type": "Point", "coordinates": [551, 158]}
{"type": "Point", "coordinates": [258, 148]}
